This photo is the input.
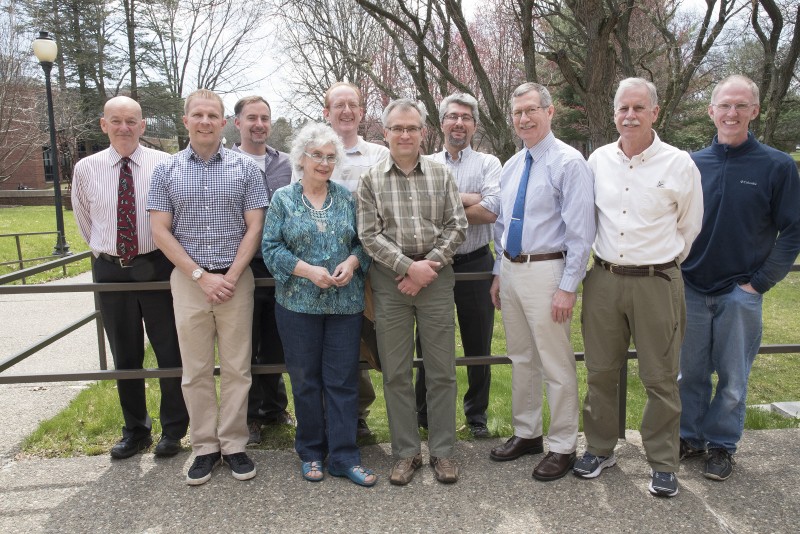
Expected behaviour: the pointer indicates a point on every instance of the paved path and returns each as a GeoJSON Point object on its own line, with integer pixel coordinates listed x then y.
{"type": "Point", "coordinates": [145, 494]}
{"type": "Point", "coordinates": [27, 319]}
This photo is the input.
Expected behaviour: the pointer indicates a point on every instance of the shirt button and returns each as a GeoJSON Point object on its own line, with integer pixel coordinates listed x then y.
{"type": "Point", "coordinates": [621, 255]}
{"type": "Point", "coordinates": [624, 212]}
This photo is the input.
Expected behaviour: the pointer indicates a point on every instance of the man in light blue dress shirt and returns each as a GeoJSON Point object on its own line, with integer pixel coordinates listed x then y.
{"type": "Point", "coordinates": [478, 178]}
{"type": "Point", "coordinates": [542, 238]}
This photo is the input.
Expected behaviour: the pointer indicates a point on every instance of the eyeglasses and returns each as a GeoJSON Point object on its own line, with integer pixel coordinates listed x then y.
{"type": "Point", "coordinates": [453, 117]}
{"type": "Point", "coordinates": [399, 130]}
{"type": "Point", "coordinates": [741, 106]}
{"type": "Point", "coordinates": [339, 106]}
{"type": "Point", "coordinates": [316, 157]}
{"type": "Point", "coordinates": [527, 112]}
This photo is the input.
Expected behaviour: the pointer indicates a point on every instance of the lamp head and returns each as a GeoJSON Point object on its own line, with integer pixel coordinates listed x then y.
{"type": "Point", "coordinates": [45, 48]}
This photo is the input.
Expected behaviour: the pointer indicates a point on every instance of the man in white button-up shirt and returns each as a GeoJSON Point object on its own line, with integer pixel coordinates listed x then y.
{"type": "Point", "coordinates": [649, 210]}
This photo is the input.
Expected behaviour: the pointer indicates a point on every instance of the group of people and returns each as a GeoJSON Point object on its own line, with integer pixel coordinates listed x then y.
{"type": "Point", "coordinates": [339, 216]}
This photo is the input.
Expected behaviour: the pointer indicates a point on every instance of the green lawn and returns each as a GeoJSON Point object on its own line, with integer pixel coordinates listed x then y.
{"type": "Point", "coordinates": [38, 219]}
{"type": "Point", "coordinates": [92, 422]}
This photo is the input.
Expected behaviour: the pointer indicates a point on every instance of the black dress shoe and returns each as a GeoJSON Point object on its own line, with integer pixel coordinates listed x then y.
{"type": "Point", "coordinates": [127, 447]}
{"type": "Point", "coordinates": [167, 447]}
{"type": "Point", "coordinates": [478, 430]}
{"type": "Point", "coordinates": [554, 466]}
{"type": "Point", "coordinates": [516, 447]}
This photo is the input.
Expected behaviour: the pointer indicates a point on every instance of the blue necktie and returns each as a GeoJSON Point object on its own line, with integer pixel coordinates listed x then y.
{"type": "Point", "coordinates": [514, 240]}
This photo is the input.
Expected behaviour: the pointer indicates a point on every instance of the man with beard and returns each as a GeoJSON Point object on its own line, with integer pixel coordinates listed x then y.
{"type": "Point", "coordinates": [478, 178]}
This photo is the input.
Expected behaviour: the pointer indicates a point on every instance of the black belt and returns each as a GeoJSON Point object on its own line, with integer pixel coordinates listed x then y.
{"type": "Point", "coordinates": [525, 258]}
{"type": "Point", "coordinates": [638, 270]}
{"type": "Point", "coordinates": [122, 263]}
{"type": "Point", "coordinates": [458, 259]}
{"type": "Point", "coordinates": [218, 271]}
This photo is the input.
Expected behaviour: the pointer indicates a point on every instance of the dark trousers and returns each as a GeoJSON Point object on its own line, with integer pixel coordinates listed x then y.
{"type": "Point", "coordinates": [322, 359]}
{"type": "Point", "coordinates": [267, 396]}
{"type": "Point", "coordinates": [476, 324]}
{"type": "Point", "coordinates": [123, 313]}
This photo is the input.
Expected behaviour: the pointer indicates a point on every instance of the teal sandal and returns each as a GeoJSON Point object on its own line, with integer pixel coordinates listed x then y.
{"type": "Point", "coordinates": [357, 474]}
{"type": "Point", "coordinates": [309, 470]}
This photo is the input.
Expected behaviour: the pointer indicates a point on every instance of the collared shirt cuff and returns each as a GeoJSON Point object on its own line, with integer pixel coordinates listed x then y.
{"type": "Point", "coordinates": [402, 265]}
{"type": "Point", "coordinates": [569, 283]}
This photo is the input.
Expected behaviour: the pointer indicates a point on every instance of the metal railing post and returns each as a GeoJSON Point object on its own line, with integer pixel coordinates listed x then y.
{"type": "Point", "coordinates": [19, 255]}
{"type": "Point", "coordinates": [101, 337]}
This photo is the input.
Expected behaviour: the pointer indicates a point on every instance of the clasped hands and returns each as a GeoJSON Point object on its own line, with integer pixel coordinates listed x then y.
{"type": "Point", "coordinates": [420, 274]}
{"type": "Point", "coordinates": [218, 288]}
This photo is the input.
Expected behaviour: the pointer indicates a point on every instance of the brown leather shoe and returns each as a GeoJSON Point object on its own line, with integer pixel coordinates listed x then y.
{"type": "Point", "coordinates": [446, 470]}
{"type": "Point", "coordinates": [516, 447]}
{"type": "Point", "coordinates": [554, 466]}
{"type": "Point", "coordinates": [403, 471]}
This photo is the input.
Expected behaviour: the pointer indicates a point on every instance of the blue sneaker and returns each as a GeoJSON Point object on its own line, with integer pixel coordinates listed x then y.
{"type": "Point", "coordinates": [590, 466]}
{"type": "Point", "coordinates": [664, 484]}
{"type": "Point", "coordinates": [242, 467]}
{"type": "Point", "coordinates": [719, 465]}
{"type": "Point", "coordinates": [200, 471]}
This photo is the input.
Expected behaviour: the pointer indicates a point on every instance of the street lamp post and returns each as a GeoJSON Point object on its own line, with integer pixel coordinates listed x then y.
{"type": "Point", "coordinates": [46, 50]}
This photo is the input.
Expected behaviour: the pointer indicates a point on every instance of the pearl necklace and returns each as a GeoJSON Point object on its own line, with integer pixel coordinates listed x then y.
{"type": "Point", "coordinates": [319, 216]}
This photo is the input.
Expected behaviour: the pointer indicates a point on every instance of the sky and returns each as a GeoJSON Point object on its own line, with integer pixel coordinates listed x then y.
{"type": "Point", "coordinates": [273, 68]}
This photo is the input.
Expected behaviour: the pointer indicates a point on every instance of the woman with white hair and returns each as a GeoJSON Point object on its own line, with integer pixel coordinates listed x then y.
{"type": "Point", "coordinates": [311, 247]}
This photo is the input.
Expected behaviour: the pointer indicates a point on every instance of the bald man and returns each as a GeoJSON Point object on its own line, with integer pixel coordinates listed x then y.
{"type": "Point", "coordinates": [109, 197]}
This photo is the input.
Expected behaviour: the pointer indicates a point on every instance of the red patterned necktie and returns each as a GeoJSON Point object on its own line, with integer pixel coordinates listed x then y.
{"type": "Point", "coordinates": [127, 243]}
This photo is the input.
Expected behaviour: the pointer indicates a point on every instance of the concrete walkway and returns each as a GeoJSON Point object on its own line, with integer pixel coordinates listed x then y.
{"type": "Point", "coordinates": [145, 494]}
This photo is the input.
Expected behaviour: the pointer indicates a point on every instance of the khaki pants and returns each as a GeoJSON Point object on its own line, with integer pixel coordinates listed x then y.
{"type": "Point", "coordinates": [540, 352]}
{"type": "Point", "coordinates": [653, 312]}
{"type": "Point", "coordinates": [395, 315]}
{"type": "Point", "coordinates": [199, 323]}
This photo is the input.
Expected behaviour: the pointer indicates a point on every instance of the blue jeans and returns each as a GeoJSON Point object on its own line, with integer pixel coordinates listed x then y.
{"type": "Point", "coordinates": [723, 334]}
{"type": "Point", "coordinates": [322, 353]}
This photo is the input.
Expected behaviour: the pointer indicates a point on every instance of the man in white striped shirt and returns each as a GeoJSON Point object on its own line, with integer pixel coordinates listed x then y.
{"type": "Point", "coordinates": [478, 178]}
{"type": "Point", "coordinates": [95, 197]}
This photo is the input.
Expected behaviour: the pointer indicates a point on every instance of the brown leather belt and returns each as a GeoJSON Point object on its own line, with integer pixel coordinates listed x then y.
{"type": "Point", "coordinates": [638, 270]}
{"type": "Point", "coordinates": [525, 258]}
{"type": "Point", "coordinates": [122, 263]}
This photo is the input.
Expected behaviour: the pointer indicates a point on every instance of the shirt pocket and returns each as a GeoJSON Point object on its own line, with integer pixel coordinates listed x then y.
{"type": "Point", "coordinates": [656, 202]}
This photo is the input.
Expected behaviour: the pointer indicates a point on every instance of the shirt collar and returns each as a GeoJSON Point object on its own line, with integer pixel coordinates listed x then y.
{"type": "Point", "coordinates": [358, 149]}
{"type": "Point", "coordinates": [115, 157]}
{"type": "Point", "coordinates": [220, 154]}
{"type": "Point", "coordinates": [463, 153]}
{"type": "Point", "coordinates": [539, 149]}
{"type": "Point", "coordinates": [648, 153]}
{"type": "Point", "coordinates": [389, 163]}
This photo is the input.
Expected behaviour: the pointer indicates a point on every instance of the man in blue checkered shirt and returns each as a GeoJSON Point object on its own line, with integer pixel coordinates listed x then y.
{"type": "Point", "coordinates": [206, 207]}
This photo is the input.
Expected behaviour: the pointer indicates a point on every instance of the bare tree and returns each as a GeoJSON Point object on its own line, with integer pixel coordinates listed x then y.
{"type": "Point", "coordinates": [781, 48]}
{"type": "Point", "coordinates": [192, 44]}
{"type": "Point", "coordinates": [20, 137]}
{"type": "Point", "coordinates": [686, 48]}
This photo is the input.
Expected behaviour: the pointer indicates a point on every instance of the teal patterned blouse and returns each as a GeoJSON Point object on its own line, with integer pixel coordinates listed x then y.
{"type": "Point", "coordinates": [292, 234]}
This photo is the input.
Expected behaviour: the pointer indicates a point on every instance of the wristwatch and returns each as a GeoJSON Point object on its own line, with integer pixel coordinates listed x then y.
{"type": "Point", "coordinates": [197, 273]}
